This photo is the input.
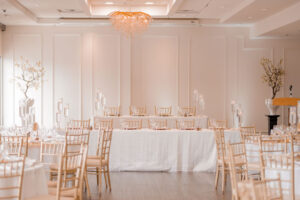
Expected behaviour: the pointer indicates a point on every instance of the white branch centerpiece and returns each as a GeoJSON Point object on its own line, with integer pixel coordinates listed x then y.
{"type": "Point", "coordinates": [199, 101]}
{"type": "Point", "coordinates": [28, 76]}
{"type": "Point", "coordinates": [273, 75]}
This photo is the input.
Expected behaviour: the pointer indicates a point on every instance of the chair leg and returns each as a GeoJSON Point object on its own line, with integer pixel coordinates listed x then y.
{"type": "Point", "coordinates": [97, 171]}
{"type": "Point", "coordinates": [223, 179]}
{"type": "Point", "coordinates": [100, 180]}
{"type": "Point", "coordinates": [108, 177]}
{"type": "Point", "coordinates": [105, 177]}
{"type": "Point", "coordinates": [217, 177]}
{"type": "Point", "coordinates": [87, 185]}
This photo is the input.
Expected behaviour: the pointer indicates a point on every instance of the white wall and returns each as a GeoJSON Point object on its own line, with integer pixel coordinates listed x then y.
{"type": "Point", "coordinates": [162, 66]}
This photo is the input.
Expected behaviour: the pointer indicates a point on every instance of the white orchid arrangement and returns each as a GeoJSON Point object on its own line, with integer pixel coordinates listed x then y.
{"type": "Point", "coordinates": [28, 76]}
{"type": "Point", "coordinates": [273, 74]}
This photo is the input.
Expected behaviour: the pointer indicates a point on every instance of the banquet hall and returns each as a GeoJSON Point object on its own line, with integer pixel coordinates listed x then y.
{"type": "Point", "coordinates": [149, 99]}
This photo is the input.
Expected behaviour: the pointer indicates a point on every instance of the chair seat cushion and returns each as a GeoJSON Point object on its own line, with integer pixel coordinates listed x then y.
{"type": "Point", "coordinates": [49, 197]}
{"type": "Point", "coordinates": [95, 162]}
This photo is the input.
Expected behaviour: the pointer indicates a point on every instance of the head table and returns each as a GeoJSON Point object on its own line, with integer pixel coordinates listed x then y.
{"type": "Point", "coordinates": [159, 150]}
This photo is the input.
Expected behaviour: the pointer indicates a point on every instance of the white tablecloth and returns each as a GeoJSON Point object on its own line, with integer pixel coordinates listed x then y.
{"type": "Point", "coordinates": [34, 182]}
{"type": "Point", "coordinates": [159, 150]}
{"type": "Point", "coordinates": [285, 175]}
{"type": "Point", "coordinates": [167, 150]}
{"type": "Point", "coordinates": [200, 121]}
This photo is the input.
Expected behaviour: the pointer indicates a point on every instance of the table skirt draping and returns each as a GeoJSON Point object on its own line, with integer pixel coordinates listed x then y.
{"type": "Point", "coordinates": [34, 182]}
{"type": "Point", "coordinates": [200, 121]}
{"type": "Point", "coordinates": [168, 150]}
{"type": "Point", "coordinates": [159, 150]}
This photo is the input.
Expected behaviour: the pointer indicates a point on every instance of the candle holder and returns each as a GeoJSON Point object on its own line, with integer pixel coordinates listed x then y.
{"type": "Point", "coordinates": [62, 114]}
{"type": "Point", "coordinates": [100, 103]}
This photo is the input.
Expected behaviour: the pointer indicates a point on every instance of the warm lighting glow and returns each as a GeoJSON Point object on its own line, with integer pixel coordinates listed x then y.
{"type": "Point", "coordinates": [130, 22]}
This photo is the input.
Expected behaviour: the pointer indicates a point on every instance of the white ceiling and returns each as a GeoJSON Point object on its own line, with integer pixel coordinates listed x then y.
{"type": "Point", "coordinates": [237, 12]}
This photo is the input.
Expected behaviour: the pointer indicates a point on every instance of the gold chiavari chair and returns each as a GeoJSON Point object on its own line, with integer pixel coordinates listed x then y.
{"type": "Point", "coordinates": [272, 164]}
{"type": "Point", "coordinates": [112, 111]}
{"type": "Point", "coordinates": [222, 159]}
{"type": "Point", "coordinates": [102, 123]}
{"type": "Point", "coordinates": [217, 124]}
{"type": "Point", "coordinates": [158, 124]}
{"type": "Point", "coordinates": [12, 170]}
{"type": "Point", "coordinates": [187, 111]}
{"type": "Point", "coordinates": [16, 144]}
{"type": "Point", "coordinates": [100, 161]}
{"type": "Point", "coordinates": [268, 189]}
{"type": "Point", "coordinates": [73, 144]}
{"type": "Point", "coordinates": [137, 111]}
{"type": "Point", "coordinates": [80, 124]}
{"type": "Point", "coordinates": [163, 111]}
{"type": "Point", "coordinates": [68, 187]}
{"type": "Point", "coordinates": [251, 139]}
{"type": "Point", "coordinates": [131, 124]}
{"type": "Point", "coordinates": [295, 146]}
{"type": "Point", "coordinates": [185, 124]}
{"type": "Point", "coordinates": [238, 166]}
{"type": "Point", "coordinates": [49, 154]}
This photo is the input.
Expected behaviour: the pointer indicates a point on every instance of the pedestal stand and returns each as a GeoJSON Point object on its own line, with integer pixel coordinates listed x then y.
{"type": "Point", "coordinates": [272, 121]}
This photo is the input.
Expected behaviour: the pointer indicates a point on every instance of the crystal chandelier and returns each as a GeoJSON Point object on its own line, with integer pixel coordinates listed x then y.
{"type": "Point", "coordinates": [130, 22]}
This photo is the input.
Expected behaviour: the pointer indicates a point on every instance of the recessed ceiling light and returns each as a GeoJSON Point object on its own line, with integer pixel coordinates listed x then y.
{"type": "Point", "coordinates": [264, 9]}
{"type": "Point", "coordinates": [249, 17]}
{"type": "Point", "coordinates": [109, 3]}
{"type": "Point", "coordinates": [149, 3]}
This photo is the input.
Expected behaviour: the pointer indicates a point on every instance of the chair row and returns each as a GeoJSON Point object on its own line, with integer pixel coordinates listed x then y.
{"type": "Point", "coordinates": [63, 158]}
{"type": "Point", "coordinates": [255, 157]}
{"type": "Point", "coordinates": [142, 111]}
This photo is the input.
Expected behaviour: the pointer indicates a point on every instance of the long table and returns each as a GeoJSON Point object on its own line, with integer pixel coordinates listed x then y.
{"type": "Point", "coordinates": [163, 150]}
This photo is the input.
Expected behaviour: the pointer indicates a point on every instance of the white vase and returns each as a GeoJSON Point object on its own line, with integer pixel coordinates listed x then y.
{"type": "Point", "coordinates": [272, 109]}
{"type": "Point", "coordinates": [26, 111]}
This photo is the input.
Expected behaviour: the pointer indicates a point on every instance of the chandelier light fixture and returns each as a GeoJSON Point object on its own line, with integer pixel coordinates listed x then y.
{"type": "Point", "coordinates": [130, 23]}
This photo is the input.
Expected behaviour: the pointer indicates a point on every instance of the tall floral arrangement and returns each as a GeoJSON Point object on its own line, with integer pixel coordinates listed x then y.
{"type": "Point", "coordinates": [272, 74]}
{"type": "Point", "coordinates": [28, 75]}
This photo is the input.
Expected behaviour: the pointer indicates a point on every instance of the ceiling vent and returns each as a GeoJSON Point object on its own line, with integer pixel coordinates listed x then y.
{"type": "Point", "coordinates": [69, 11]}
{"type": "Point", "coordinates": [187, 12]}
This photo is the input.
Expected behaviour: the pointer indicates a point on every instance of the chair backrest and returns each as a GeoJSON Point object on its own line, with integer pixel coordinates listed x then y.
{"type": "Point", "coordinates": [217, 123]}
{"type": "Point", "coordinates": [131, 124]}
{"type": "Point", "coordinates": [247, 130]}
{"type": "Point", "coordinates": [238, 165]}
{"type": "Point", "coordinates": [75, 162]}
{"type": "Point", "coordinates": [273, 144]}
{"type": "Point", "coordinates": [104, 144]}
{"type": "Point", "coordinates": [295, 145]}
{"type": "Point", "coordinates": [15, 144]}
{"type": "Point", "coordinates": [12, 172]}
{"type": "Point", "coordinates": [163, 111]}
{"type": "Point", "coordinates": [157, 124]}
{"type": "Point", "coordinates": [137, 110]}
{"type": "Point", "coordinates": [185, 124]}
{"type": "Point", "coordinates": [80, 124]}
{"type": "Point", "coordinates": [50, 151]}
{"type": "Point", "coordinates": [75, 143]}
{"type": "Point", "coordinates": [260, 189]}
{"type": "Point", "coordinates": [112, 111]}
{"type": "Point", "coordinates": [187, 111]}
{"type": "Point", "coordinates": [102, 123]}
{"type": "Point", "coordinates": [272, 164]}
{"type": "Point", "coordinates": [220, 144]}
